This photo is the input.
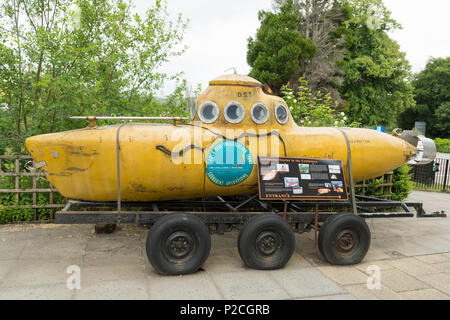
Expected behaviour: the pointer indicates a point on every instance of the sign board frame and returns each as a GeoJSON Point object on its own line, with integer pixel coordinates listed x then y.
{"type": "Point", "coordinates": [304, 182]}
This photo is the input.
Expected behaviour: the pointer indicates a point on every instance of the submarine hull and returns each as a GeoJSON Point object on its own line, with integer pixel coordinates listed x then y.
{"type": "Point", "coordinates": [156, 162]}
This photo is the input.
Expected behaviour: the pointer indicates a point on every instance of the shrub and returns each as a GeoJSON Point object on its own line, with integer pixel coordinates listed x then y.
{"type": "Point", "coordinates": [442, 145]}
{"type": "Point", "coordinates": [401, 185]}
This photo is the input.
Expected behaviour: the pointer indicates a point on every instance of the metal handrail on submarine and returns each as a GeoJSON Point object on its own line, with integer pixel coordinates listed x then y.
{"type": "Point", "coordinates": [223, 211]}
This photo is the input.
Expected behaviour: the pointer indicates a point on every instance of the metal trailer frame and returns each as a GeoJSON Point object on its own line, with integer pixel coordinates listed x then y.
{"type": "Point", "coordinates": [232, 210]}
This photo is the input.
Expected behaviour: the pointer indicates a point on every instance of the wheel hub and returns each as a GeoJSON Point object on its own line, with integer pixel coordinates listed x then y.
{"type": "Point", "coordinates": [268, 242]}
{"type": "Point", "coordinates": [179, 244]}
{"type": "Point", "coordinates": [346, 240]}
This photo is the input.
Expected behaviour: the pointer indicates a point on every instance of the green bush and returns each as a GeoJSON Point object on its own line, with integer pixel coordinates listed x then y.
{"type": "Point", "coordinates": [401, 185]}
{"type": "Point", "coordinates": [442, 145]}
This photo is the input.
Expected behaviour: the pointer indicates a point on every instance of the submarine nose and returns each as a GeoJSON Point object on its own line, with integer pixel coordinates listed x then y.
{"type": "Point", "coordinates": [426, 148]}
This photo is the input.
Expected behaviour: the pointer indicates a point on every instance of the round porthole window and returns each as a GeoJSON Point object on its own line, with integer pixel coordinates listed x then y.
{"type": "Point", "coordinates": [281, 114]}
{"type": "Point", "coordinates": [234, 112]}
{"type": "Point", "coordinates": [260, 113]}
{"type": "Point", "coordinates": [208, 112]}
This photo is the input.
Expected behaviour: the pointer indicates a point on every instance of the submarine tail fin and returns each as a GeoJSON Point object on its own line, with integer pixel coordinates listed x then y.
{"type": "Point", "coordinates": [426, 148]}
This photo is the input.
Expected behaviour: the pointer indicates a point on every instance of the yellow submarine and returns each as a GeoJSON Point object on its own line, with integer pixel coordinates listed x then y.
{"type": "Point", "coordinates": [214, 154]}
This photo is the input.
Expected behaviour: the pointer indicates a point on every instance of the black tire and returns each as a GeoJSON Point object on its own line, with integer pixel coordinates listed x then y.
{"type": "Point", "coordinates": [266, 242]}
{"type": "Point", "coordinates": [322, 230]}
{"type": "Point", "coordinates": [344, 239]}
{"type": "Point", "coordinates": [178, 244]}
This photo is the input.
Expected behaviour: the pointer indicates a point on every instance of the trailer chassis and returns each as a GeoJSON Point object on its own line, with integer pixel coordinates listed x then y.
{"type": "Point", "coordinates": [233, 210]}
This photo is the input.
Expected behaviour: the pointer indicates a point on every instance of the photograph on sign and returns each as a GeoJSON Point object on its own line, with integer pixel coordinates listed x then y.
{"type": "Point", "coordinates": [301, 179]}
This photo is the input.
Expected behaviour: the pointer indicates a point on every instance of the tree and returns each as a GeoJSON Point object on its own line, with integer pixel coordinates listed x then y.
{"type": "Point", "coordinates": [432, 93]}
{"type": "Point", "coordinates": [60, 58]}
{"type": "Point", "coordinates": [322, 21]}
{"type": "Point", "coordinates": [278, 48]}
{"type": "Point", "coordinates": [377, 87]}
{"type": "Point", "coordinates": [312, 110]}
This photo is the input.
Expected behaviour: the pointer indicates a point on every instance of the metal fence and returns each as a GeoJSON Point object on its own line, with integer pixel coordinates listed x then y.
{"type": "Point", "coordinates": [433, 176]}
{"type": "Point", "coordinates": [18, 176]}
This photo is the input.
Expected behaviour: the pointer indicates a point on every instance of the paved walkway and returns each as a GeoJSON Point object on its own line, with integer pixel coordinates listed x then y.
{"type": "Point", "coordinates": [412, 257]}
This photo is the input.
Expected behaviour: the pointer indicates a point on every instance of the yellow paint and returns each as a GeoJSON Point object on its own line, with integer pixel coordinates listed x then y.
{"type": "Point", "coordinates": [85, 165]}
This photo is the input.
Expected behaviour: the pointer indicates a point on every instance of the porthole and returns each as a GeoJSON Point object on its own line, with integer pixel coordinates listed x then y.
{"type": "Point", "coordinates": [281, 113]}
{"type": "Point", "coordinates": [208, 112]}
{"type": "Point", "coordinates": [260, 113]}
{"type": "Point", "coordinates": [234, 112]}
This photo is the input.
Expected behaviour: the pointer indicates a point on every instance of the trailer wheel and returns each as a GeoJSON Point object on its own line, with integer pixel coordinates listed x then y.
{"type": "Point", "coordinates": [266, 242]}
{"type": "Point", "coordinates": [344, 239]}
{"type": "Point", "coordinates": [178, 244]}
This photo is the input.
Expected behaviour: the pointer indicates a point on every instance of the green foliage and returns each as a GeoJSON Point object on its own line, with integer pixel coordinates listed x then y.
{"type": "Point", "coordinates": [90, 58]}
{"type": "Point", "coordinates": [442, 118]}
{"type": "Point", "coordinates": [442, 145]}
{"type": "Point", "coordinates": [376, 85]}
{"type": "Point", "coordinates": [401, 185]}
{"type": "Point", "coordinates": [432, 93]}
{"type": "Point", "coordinates": [309, 110]}
{"type": "Point", "coordinates": [322, 21]}
{"type": "Point", "coordinates": [276, 52]}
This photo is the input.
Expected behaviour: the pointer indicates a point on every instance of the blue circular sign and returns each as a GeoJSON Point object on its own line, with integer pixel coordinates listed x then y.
{"type": "Point", "coordinates": [229, 163]}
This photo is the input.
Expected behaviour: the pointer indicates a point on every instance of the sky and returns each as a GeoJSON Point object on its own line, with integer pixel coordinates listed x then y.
{"type": "Point", "coordinates": [218, 31]}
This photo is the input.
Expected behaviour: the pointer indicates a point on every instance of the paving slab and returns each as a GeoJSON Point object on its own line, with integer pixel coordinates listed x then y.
{"type": "Point", "coordinates": [400, 281]}
{"type": "Point", "coordinates": [11, 248]}
{"type": "Point", "coordinates": [197, 286]}
{"type": "Point", "coordinates": [117, 271]}
{"type": "Point", "coordinates": [403, 247]}
{"type": "Point", "coordinates": [54, 249]}
{"type": "Point", "coordinates": [112, 245]}
{"type": "Point", "coordinates": [304, 246]}
{"type": "Point", "coordinates": [378, 252]}
{"type": "Point", "coordinates": [113, 290]}
{"type": "Point", "coordinates": [380, 264]}
{"type": "Point", "coordinates": [37, 292]}
{"type": "Point", "coordinates": [425, 294]}
{"type": "Point", "coordinates": [433, 201]}
{"type": "Point", "coordinates": [414, 267]}
{"type": "Point", "coordinates": [30, 231]}
{"type": "Point", "coordinates": [253, 285]}
{"type": "Point", "coordinates": [443, 267]}
{"type": "Point", "coordinates": [224, 256]}
{"type": "Point", "coordinates": [346, 296]}
{"type": "Point", "coordinates": [434, 258]}
{"type": "Point", "coordinates": [304, 283]}
{"type": "Point", "coordinates": [38, 272]}
{"type": "Point", "coordinates": [98, 259]}
{"type": "Point", "coordinates": [440, 281]}
{"type": "Point", "coordinates": [361, 292]}
{"type": "Point", "coordinates": [5, 267]}
{"type": "Point", "coordinates": [344, 275]}
{"type": "Point", "coordinates": [436, 243]}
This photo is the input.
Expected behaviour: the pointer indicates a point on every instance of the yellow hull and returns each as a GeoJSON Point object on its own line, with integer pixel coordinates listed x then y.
{"type": "Point", "coordinates": [82, 164]}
